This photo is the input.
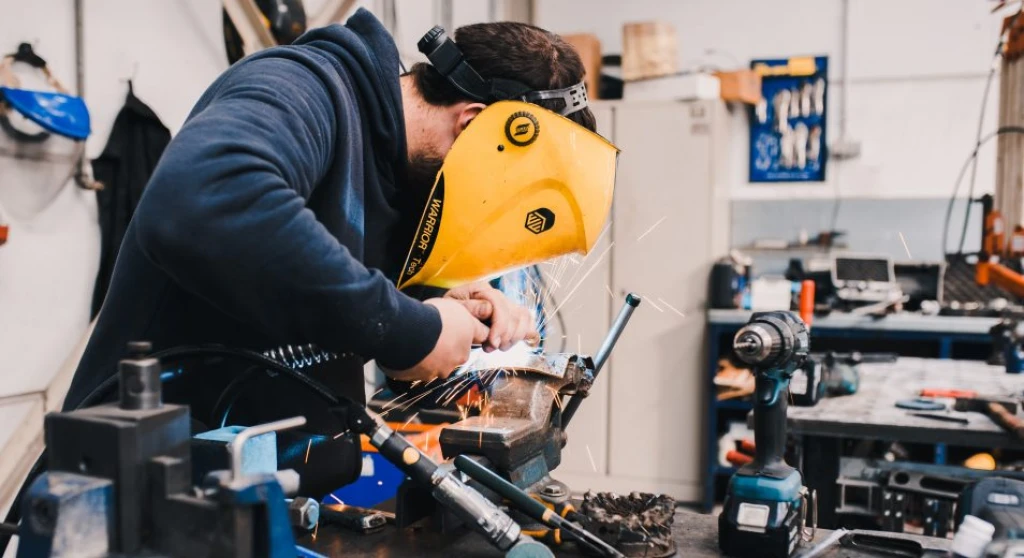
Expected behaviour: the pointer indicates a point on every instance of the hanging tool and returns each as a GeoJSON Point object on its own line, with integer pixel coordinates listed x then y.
{"type": "Point", "coordinates": [766, 504]}
{"type": "Point", "coordinates": [533, 508]}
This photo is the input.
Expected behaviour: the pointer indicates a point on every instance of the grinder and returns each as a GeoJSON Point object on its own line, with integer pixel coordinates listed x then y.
{"type": "Point", "coordinates": [766, 504]}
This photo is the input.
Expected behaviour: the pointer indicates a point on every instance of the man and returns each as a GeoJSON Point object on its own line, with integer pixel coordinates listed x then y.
{"type": "Point", "coordinates": [282, 210]}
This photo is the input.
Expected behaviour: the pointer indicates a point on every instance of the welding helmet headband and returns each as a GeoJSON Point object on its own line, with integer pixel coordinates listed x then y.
{"type": "Point", "coordinates": [446, 57]}
{"type": "Point", "coordinates": [520, 185]}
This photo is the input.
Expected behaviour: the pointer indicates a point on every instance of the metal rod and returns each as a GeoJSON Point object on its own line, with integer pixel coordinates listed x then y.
{"type": "Point", "coordinates": [244, 436]}
{"type": "Point", "coordinates": [632, 301]}
{"type": "Point", "coordinates": [531, 507]}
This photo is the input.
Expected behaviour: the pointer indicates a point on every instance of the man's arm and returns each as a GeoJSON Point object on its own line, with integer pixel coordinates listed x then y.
{"type": "Point", "coordinates": [225, 216]}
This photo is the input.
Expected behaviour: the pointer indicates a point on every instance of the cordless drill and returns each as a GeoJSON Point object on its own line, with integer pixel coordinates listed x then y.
{"type": "Point", "coordinates": [766, 502]}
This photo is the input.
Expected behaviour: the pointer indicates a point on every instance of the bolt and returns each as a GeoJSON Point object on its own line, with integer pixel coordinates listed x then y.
{"type": "Point", "coordinates": [553, 491]}
{"type": "Point", "coordinates": [303, 513]}
{"type": "Point", "coordinates": [139, 349]}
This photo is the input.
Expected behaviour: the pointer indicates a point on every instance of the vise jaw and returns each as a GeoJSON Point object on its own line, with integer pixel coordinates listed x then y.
{"type": "Point", "coordinates": [519, 428]}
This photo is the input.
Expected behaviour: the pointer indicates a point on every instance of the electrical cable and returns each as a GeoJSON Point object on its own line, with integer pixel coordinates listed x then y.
{"type": "Point", "coordinates": [981, 121]}
{"type": "Point", "coordinates": [963, 172]}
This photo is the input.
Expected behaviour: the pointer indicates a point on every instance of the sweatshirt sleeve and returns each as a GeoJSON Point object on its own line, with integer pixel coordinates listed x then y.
{"type": "Point", "coordinates": [225, 216]}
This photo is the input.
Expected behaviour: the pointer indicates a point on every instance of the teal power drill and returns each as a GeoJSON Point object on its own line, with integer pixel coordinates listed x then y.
{"type": "Point", "coordinates": [766, 504]}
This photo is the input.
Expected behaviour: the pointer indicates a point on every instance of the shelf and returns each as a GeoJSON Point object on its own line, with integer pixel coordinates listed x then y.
{"type": "Point", "coordinates": [737, 404]}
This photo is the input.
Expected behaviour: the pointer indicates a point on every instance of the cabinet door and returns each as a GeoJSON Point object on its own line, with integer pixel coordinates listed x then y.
{"type": "Point", "coordinates": [585, 314]}
{"type": "Point", "coordinates": [664, 222]}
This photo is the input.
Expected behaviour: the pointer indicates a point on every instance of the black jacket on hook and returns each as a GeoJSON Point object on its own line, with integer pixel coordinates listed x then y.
{"type": "Point", "coordinates": [136, 143]}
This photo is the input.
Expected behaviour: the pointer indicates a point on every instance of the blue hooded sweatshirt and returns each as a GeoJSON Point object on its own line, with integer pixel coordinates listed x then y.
{"type": "Point", "coordinates": [277, 215]}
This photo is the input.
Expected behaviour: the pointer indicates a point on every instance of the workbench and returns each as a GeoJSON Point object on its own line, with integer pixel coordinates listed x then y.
{"type": "Point", "coordinates": [907, 334]}
{"type": "Point", "coordinates": [871, 414]}
{"type": "Point", "coordinates": [696, 536]}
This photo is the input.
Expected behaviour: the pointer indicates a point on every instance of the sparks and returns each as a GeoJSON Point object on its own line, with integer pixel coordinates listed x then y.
{"type": "Point", "coordinates": [309, 446]}
{"type": "Point", "coordinates": [670, 307]}
{"type": "Point", "coordinates": [315, 529]}
{"type": "Point", "coordinates": [904, 241]}
{"type": "Point", "coordinates": [609, 289]}
{"type": "Point", "coordinates": [585, 275]}
{"type": "Point", "coordinates": [648, 231]}
{"type": "Point", "coordinates": [653, 305]}
{"type": "Point", "coordinates": [591, 456]}
{"type": "Point", "coordinates": [336, 499]}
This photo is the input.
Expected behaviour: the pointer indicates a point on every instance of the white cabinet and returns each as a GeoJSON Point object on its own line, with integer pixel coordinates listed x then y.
{"type": "Point", "coordinates": [643, 425]}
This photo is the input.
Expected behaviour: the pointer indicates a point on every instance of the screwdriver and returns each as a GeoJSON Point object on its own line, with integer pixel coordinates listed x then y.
{"type": "Point", "coordinates": [533, 508]}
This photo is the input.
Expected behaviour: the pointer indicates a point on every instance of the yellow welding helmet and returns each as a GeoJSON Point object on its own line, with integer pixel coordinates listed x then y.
{"type": "Point", "coordinates": [520, 185]}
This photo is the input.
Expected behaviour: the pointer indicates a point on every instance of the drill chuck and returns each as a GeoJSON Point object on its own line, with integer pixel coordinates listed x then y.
{"type": "Point", "coordinates": [772, 339]}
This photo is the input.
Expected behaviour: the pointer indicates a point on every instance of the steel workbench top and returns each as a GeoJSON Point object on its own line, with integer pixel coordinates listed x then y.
{"type": "Point", "coordinates": [871, 413]}
{"type": "Point", "coordinates": [696, 537]}
{"type": "Point", "coordinates": [906, 321]}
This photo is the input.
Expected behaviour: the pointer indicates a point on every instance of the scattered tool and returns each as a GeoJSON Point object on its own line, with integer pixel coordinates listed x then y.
{"type": "Point", "coordinates": [942, 417]}
{"type": "Point", "coordinates": [920, 404]}
{"type": "Point", "coordinates": [533, 508]}
{"type": "Point", "coordinates": [947, 393]}
{"type": "Point", "coordinates": [1001, 410]}
{"type": "Point", "coordinates": [766, 505]}
{"type": "Point", "coordinates": [358, 519]}
{"type": "Point", "coordinates": [831, 374]}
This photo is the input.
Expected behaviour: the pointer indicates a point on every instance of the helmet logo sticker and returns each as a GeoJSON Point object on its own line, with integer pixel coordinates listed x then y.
{"type": "Point", "coordinates": [540, 220]}
{"type": "Point", "coordinates": [522, 128]}
{"type": "Point", "coordinates": [426, 234]}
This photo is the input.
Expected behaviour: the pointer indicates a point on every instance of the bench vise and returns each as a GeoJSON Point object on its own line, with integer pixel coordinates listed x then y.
{"type": "Point", "coordinates": [520, 431]}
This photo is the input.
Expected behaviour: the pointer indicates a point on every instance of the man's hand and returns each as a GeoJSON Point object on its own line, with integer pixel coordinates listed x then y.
{"type": "Point", "coordinates": [459, 332]}
{"type": "Point", "coordinates": [509, 323]}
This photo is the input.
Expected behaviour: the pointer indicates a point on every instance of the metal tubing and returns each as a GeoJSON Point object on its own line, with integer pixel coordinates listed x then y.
{"type": "Point", "coordinates": [632, 301]}
{"type": "Point", "coordinates": [244, 436]}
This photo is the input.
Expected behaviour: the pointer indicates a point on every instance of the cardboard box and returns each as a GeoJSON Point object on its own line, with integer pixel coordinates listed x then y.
{"type": "Point", "coordinates": [649, 49]}
{"type": "Point", "coordinates": [588, 47]}
{"type": "Point", "coordinates": [740, 85]}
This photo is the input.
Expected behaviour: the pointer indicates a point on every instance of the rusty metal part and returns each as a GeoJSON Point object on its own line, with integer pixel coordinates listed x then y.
{"type": "Point", "coordinates": [639, 524]}
{"type": "Point", "coordinates": [515, 425]}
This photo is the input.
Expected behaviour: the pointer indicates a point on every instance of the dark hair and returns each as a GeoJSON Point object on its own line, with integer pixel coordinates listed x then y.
{"type": "Point", "coordinates": [510, 50]}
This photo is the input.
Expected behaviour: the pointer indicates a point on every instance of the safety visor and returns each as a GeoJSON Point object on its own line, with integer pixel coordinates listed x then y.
{"type": "Point", "coordinates": [55, 112]}
{"type": "Point", "coordinates": [520, 185]}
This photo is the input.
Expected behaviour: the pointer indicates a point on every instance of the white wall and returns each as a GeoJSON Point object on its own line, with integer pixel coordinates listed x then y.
{"type": "Point", "coordinates": [917, 73]}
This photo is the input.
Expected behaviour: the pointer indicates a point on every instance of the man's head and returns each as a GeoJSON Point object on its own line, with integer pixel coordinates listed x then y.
{"type": "Point", "coordinates": [436, 112]}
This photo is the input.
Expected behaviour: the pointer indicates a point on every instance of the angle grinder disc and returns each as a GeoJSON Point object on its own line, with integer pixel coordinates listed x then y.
{"type": "Point", "coordinates": [920, 404]}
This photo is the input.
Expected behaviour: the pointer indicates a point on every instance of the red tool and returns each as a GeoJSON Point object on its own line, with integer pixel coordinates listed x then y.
{"type": "Point", "coordinates": [948, 392]}
{"type": "Point", "coordinates": [807, 302]}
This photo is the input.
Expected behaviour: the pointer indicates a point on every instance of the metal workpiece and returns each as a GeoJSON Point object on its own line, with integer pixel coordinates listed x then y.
{"type": "Point", "coordinates": [139, 378]}
{"type": "Point", "coordinates": [237, 446]}
{"type": "Point", "coordinates": [479, 512]}
{"type": "Point", "coordinates": [603, 353]}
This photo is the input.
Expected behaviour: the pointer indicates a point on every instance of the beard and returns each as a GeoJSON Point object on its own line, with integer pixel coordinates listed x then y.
{"type": "Point", "coordinates": [421, 172]}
